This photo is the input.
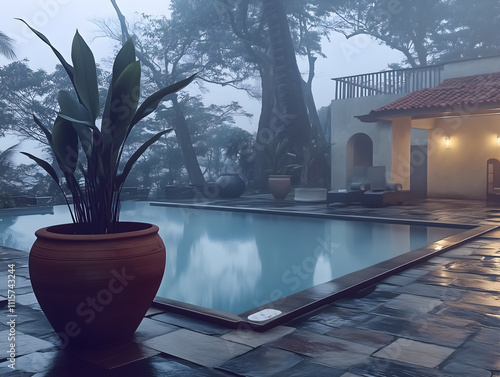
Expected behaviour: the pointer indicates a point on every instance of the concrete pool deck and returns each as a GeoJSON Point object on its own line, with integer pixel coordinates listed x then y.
{"type": "Point", "coordinates": [440, 318]}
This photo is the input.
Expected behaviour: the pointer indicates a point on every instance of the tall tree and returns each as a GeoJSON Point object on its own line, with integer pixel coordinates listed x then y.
{"type": "Point", "coordinates": [289, 106]}
{"type": "Point", "coordinates": [162, 79]}
{"type": "Point", "coordinates": [425, 31]}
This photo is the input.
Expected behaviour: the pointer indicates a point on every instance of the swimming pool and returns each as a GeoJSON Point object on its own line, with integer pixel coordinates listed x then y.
{"type": "Point", "coordinates": [227, 265]}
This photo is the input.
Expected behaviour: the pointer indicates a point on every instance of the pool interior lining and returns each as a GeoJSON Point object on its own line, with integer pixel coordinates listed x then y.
{"type": "Point", "coordinates": [356, 283]}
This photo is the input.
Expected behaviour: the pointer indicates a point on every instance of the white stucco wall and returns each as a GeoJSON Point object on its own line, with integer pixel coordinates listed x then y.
{"type": "Point", "coordinates": [344, 125]}
{"type": "Point", "coordinates": [460, 170]}
{"type": "Point", "coordinates": [471, 67]}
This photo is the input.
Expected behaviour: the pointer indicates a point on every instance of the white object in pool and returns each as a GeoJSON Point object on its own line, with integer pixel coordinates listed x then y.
{"type": "Point", "coordinates": [264, 315]}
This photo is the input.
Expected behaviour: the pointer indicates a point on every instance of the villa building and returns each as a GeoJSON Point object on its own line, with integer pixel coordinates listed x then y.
{"type": "Point", "coordinates": [435, 129]}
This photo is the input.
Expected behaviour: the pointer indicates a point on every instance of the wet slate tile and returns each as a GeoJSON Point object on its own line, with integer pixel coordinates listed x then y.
{"type": "Point", "coordinates": [423, 329]}
{"type": "Point", "coordinates": [456, 322]}
{"type": "Point", "coordinates": [477, 284]}
{"type": "Point", "coordinates": [481, 355]}
{"type": "Point", "coordinates": [113, 357]}
{"type": "Point", "coordinates": [436, 278]}
{"type": "Point", "coordinates": [407, 305]}
{"type": "Point", "coordinates": [400, 280]}
{"type": "Point", "coordinates": [476, 314]}
{"type": "Point", "coordinates": [256, 339]}
{"type": "Point", "coordinates": [38, 328]}
{"type": "Point", "coordinates": [25, 344]}
{"type": "Point", "coordinates": [414, 352]}
{"type": "Point", "coordinates": [201, 349]}
{"type": "Point", "coordinates": [26, 299]}
{"type": "Point", "coordinates": [369, 302]}
{"type": "Point", "coordinates": [435, 291]}
{"type": "Point", "coordinates": [28, 314]}
{"type": "Point", "coordinates": [414, 272]}
{"type": "Point", "coordinates": [487, 252]}
{"type": "Point", "coordinates": [490, 299]}
{"type": "Point", "coordinates": [325, 350]}
{"type": "Point", "coordinates": [464, 370]}
{"type": "Point", "coordinates": [32, 363]}
{"type": "Point", "coordinates": [261, 362]}
{"type": "Point", "coordinates": [384, 368]}
{"type": "Point", "coordinates": [308, 368]}
{"type": "Point", "coordinates": [460, 251]}
{"type": "Point", "coordinates": [150, 328]}
{"type": "Point", "coordinates": [203, 327]}
{"type": "Point", "coordinates": [369, 338]}
{"type": "Point", "coordinates": [488, 335]}
{"type": "Point", "coordinates": [153, 311]}
{"type": "Point", "coordinates": [336, 316]}
{"type": "Point", "coordinates": [310, 326]}
{"type": "Point", "coordinates": [483, 267]}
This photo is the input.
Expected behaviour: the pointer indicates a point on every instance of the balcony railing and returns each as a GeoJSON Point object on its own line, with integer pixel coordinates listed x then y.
{"type": "Point", "coordinates": [399, 81]}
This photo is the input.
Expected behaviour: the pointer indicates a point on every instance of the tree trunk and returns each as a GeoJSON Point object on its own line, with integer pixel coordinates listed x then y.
{"type": "Point", "coordinates": [184, 138]}
{"type": "Point", "coordinates": [289, 118]}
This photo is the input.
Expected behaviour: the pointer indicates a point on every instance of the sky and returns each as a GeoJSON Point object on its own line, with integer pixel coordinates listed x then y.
{"type": "Point", "coordinates": [59, 19]}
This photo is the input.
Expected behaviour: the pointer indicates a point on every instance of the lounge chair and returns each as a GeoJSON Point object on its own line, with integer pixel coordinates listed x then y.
{"type": "Point", "coordinates": [381, 192]}
{"type": "Point", "coordinates": [354, 194]}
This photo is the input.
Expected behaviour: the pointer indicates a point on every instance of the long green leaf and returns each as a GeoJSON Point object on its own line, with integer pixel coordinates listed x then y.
{"type": "Point", "coordinates": [78, 115]}
{"type": "Point", "coordinates": [120, 179]}
{"type": "Point", "coordinates": [85, 75]}
{"type": "Point", "coordinates": [45, 166]}
{"type": "Point", "coordinates": [65, 145]}
{"type": "Point", "coordinates": [45, 130]}
{"type": "Point", "coordinates": [151, 103]}
{"type": "Point", "coordinates": [124, 101]}
{"type": "Point", "coordinates": [125, 56]}
{"type": "Point", "coordinates": [72, 108]}
{"type": "Point", "coordinates": [68, 68]}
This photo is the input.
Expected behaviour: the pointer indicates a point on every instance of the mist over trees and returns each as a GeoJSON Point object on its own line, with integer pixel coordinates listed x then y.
{"type": "Point", "coordinates": [230, 43]}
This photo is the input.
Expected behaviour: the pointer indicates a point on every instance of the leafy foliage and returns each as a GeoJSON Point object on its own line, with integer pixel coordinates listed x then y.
{"type": "Point", "coordinates": [280, 160]}
{"type": "Point", "coordinates": [96, 193]}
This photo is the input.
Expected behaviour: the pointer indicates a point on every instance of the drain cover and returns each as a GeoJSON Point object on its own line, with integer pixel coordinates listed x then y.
{"type": "Point", "coordinates": [264, 315]}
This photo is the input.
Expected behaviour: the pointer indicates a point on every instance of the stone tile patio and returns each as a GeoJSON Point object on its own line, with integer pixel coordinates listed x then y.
{"type": "Point", "coordinates": [441, 318]}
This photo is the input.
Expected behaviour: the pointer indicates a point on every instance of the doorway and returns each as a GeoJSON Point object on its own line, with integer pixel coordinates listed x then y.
{"type": "Point", "coordinates": [359, 154]}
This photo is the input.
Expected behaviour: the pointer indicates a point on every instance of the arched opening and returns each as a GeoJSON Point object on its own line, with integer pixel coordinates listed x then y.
{"type": "Point", "coordinates": [493, 181]}
{"type": "Point", "coordinates": [359, 155]}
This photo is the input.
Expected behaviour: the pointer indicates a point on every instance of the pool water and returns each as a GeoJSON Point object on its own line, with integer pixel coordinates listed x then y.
{"type": "Point", "coordinates": [236, 261]}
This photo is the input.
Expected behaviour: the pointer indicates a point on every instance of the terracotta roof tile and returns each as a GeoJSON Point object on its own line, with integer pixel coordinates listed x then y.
{"type": "Point", "coordinates": [450, 94]}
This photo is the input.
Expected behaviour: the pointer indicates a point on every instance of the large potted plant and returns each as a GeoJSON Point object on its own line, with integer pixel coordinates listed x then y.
{"type": "Point", "coordinates": [280, 161]}
{"type": "Point", "coordinates": [96, 277]}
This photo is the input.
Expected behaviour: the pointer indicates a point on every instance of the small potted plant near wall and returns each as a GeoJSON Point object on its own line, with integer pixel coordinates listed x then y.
{"type": "Point", "coordinates": [280, 161]}
{"type": "Point", "coordinates": [315, 172]}
{"type": "Point", "coordinates": [96, 277]}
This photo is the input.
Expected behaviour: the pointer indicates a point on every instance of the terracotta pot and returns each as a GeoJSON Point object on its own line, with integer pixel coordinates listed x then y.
{"type": "Point", "coordinates": [279, 186]}
{"type": "Point", "coordinates": [96, 289]}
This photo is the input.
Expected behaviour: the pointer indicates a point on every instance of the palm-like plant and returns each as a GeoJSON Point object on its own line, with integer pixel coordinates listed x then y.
{"type": "Point", "coordinates": [96, 182]}
{"type": "Point", "coordinates": [279, 158]}
{"type": "Point", "coordinates": [6, 48]}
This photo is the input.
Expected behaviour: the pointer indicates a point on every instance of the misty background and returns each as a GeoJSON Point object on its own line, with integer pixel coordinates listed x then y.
{"type": "Point", "coordinates": [223, 109]}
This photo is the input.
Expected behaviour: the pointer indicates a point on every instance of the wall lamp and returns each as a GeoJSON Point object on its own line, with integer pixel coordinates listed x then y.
{"type": "Point", "coordinates": [447, 141]}
{"type": "Point", "coordinates": [498, 139]}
